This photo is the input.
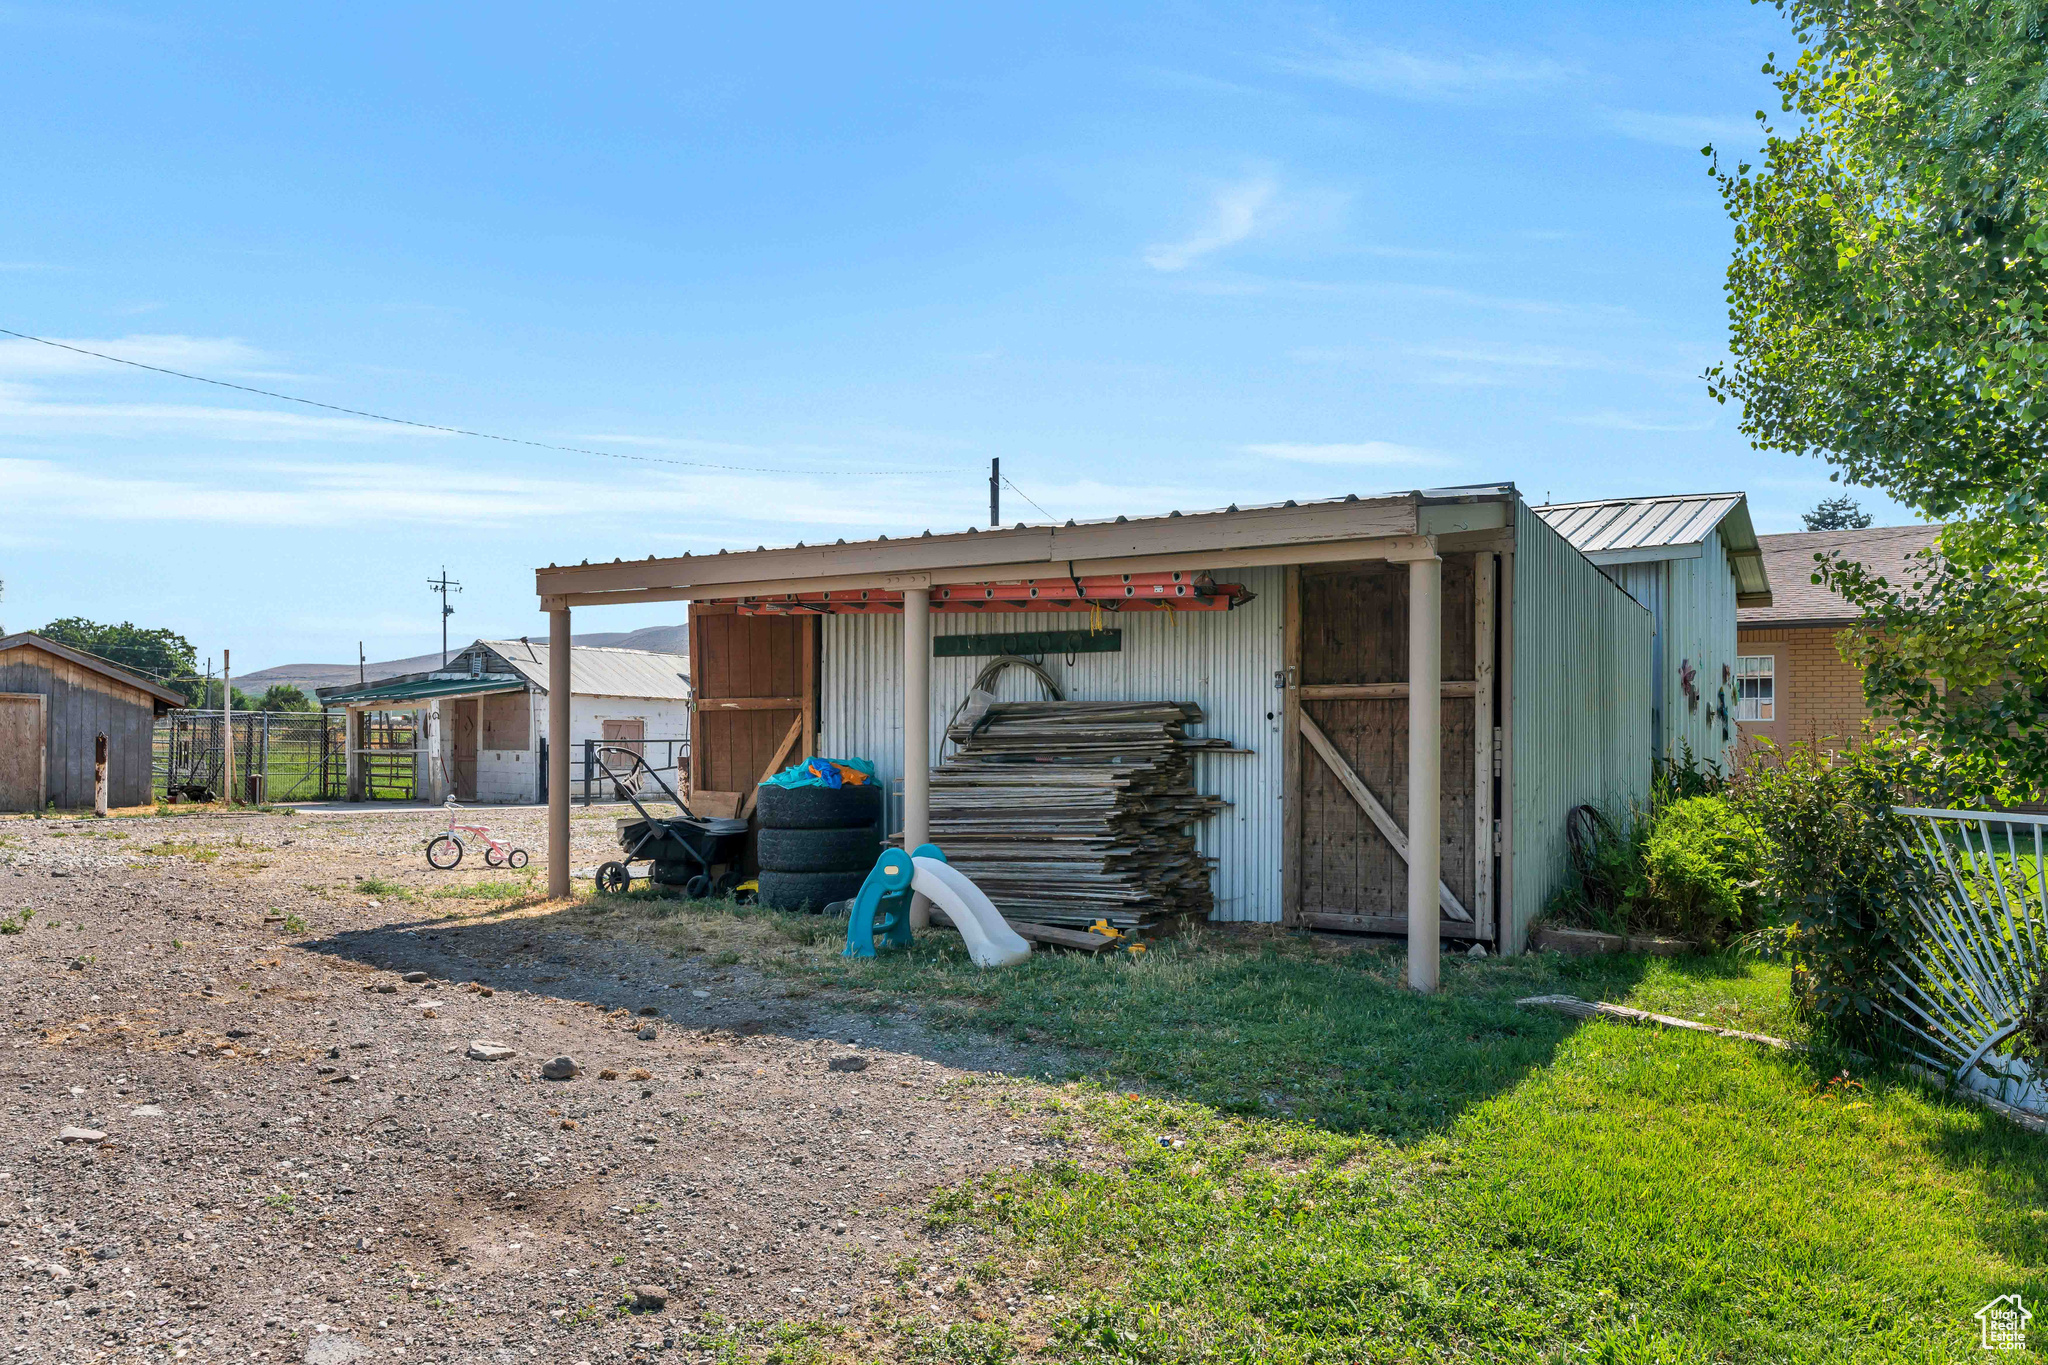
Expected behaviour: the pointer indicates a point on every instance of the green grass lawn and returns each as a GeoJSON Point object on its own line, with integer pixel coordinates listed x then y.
{"type": "Point", "coordinates": [1368, 1175]}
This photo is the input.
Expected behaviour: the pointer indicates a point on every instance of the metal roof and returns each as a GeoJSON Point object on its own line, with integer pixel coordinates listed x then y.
{"type": "Point", "coordinates": [597, 671]}
{"type": "Point", "coordinates": [1639, 530]}
{"type": "Point", "coordinates": [157, 691]}
{"type": "Point", "coordinates": [408, 690]}
{"type": "Point", "coordinates": [1010, 552]}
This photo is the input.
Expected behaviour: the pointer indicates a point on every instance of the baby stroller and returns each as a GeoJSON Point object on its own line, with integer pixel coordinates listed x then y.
{"type": "Point", "coordinates": [698, 855]}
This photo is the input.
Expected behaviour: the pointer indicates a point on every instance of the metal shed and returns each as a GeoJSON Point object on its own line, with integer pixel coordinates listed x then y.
{"type": "Point", "coordinates": [55, 702]}
{"type": "Point", "coordinates": [1291, 625]}
{"type": "Point", "coordinates": [1692, 560]}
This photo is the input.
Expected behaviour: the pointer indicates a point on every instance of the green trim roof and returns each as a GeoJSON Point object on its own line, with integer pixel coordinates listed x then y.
{"type": "Point", "coordinates": [425, 689]}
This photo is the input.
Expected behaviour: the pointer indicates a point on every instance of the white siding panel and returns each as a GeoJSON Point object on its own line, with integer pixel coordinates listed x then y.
{"type": "Point", "coordinates": [1581, 697]}
{"type": "Point", "coordinates": [1223, 661]}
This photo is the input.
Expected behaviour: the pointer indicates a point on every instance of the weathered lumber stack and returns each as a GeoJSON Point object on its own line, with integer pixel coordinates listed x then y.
{"type": "Point", "coordinates": [1066, 812]}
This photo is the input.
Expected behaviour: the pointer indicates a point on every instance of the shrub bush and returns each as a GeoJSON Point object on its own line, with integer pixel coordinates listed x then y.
{"type": "Point", "coordinates": [1835, 880]}
{"type": "Point", "coordinates": [1700, 863]}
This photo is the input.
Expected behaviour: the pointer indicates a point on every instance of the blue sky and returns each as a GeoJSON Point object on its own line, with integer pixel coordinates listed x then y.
{"type": "Point", "coordinates": [1152, 256]}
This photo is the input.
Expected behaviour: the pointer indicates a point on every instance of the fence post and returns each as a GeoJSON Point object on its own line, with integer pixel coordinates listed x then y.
{"type": "Point", "coordinates": [263, 766]}
{"type": "Point", "coordinates": [99, 775]}
{"type": "Point", "coordinates": [589, 762]}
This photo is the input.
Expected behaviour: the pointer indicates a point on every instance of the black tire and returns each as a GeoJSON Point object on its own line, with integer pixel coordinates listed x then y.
{"type": "Point", "coordinates": [819, 850]}
{"type": "Point", "coordinates": [517, 858]}
{"type": "Point", "coordinates": [493, 858]}
{"type": "Point", "coordinates": [614, 879]}
{"type": "Point", "coordinates": [819, 807]}
{"type": "Point", "coordinates": [444, 846]}
{"type": "Point", "coordinates": [808, 890]}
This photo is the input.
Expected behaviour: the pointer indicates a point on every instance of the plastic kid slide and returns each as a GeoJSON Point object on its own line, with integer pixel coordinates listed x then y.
{"type": "Point", "coordinates": [990, 940]}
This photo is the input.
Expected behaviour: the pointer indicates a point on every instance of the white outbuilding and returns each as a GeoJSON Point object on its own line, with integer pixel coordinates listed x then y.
{"type": "Point", "coordinates": [481, 725]}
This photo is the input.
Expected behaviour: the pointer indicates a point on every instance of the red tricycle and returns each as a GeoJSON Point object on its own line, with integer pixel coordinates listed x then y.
{"type": "Point", "coordinates": [445, 850]}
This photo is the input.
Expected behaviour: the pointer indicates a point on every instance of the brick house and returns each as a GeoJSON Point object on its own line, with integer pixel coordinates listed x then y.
{"type": "Point", "coordinates": [1792, 682]}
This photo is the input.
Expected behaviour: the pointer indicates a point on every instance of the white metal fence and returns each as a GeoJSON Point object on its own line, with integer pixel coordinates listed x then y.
{"type": "Point", "coordinates": [1971, 965]}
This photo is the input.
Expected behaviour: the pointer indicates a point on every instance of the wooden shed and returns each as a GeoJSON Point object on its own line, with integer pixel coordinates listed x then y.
{"type": "Point", "coordinates": [1314, 636]}
{"type": "Point", "coordinates": [55, 702]}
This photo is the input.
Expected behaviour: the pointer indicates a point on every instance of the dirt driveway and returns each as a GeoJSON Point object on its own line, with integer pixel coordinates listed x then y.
{"type": "Point", "coordinates": [283, 1146]}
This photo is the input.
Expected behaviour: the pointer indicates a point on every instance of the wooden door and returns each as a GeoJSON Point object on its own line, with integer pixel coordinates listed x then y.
{"type": "Point", "coordinates": [1350, 712]}
{"type": "Point", "coordinates": [628, 734]}
{"type": "Point", "coordinates": [468, 720]}
{"type": "Point", "coordinates": [24, 750]}
{"type": "Point", "coordinates": [754, 681]}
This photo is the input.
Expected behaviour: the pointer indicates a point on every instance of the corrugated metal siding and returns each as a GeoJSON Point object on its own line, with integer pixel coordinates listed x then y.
{"type": "Point", "coordinates": [1650, 584]}
{"type": "Point", "coordinates": [598, 670]}
{"type": "Point", "coordinates": [1225, 662]}
{"type": "Point", "coordinates": [1581, 697]}
{"type": "Point", "coordinates": [1699, 628]}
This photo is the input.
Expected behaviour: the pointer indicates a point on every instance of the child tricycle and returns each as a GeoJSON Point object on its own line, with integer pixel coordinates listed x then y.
{"type": "Point", "coordinates": [445, 850]}
{"type": "Point", "coordinates": [700, 855]}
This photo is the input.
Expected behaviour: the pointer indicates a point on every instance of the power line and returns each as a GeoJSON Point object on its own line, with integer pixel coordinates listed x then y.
{"type": "Point", "coordinates": [1028, 498]}
{"type": "Point", "coordinates": [451, 431]}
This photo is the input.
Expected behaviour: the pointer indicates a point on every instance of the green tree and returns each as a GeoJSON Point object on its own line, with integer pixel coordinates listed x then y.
{"type": "Point", "coordinates": [284, 697]}
{"type": "Point", "coordinates": [1836, 514]}
{"type": "Point", "coordinates": [164, 656]}
{"type": "Point", "coordinates": [1888, 312]}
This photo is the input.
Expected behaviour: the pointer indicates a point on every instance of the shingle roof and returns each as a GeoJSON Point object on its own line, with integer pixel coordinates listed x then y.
{"type": "Point", "coordinates": [595, 671]}
{"type": "Point", "coordinates": [1798, 601]}
{"type": "Point", "coordinates": [1635, 530]}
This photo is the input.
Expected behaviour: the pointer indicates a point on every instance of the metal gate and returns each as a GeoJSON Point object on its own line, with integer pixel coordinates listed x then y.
{"type": "Point", "coordinates": [279, 756]}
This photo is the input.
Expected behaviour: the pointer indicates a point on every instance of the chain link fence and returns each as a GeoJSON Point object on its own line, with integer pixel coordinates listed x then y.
{"type": "Point", "coordinates": [279, 756]}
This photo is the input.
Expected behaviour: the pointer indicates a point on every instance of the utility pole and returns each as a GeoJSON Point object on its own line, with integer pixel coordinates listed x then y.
{"type": "Point", "coordinates": [444, 585]}
{"type": "Point", "coordinates": [995, 491]}
{"type": "Point", "coordinates": [363, 666]}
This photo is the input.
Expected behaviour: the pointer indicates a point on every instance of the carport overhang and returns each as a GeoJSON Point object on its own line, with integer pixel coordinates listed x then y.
{"type": "Point", "coordinates": [1414, 528]}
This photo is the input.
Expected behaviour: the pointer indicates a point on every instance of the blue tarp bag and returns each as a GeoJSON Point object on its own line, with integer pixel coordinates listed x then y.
{"type": "Point", "coordinates": [824, 772]}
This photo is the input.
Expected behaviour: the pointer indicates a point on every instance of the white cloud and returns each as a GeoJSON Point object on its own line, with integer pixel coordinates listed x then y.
{"type": "Point", "coordinates": [1391, 71]}
{"type": "Point", "coordinates": [1347, 453]}
{"type": "Point", "coordinates": [203, 355]}
{"type": "Point", "coordinates": [26, 415]}
{"type": "Point", "coordinates": [1681, 130]}
{"type": "Point", "coordinates": [1235, 213]}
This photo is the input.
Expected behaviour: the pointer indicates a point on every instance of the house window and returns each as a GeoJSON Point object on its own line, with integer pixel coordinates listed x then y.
{"type": "Point", "coordinates": [1756, 687]}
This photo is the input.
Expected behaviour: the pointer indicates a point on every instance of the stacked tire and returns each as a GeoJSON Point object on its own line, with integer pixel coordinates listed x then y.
{"type": "Point", "coordinates": [817, 844]}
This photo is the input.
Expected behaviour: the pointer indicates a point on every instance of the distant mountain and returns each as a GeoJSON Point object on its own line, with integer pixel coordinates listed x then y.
{"type": "Point", "coordinates": [661, 639]}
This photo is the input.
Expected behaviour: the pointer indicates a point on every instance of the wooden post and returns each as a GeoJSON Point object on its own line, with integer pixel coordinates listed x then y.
{"type": "Point", "coordinates": [1508, 933]}
{"type": "Point", "coordinates": [99, 775]}
{"type": "Point", "coordinates": [1482, 743]}
{"type": "Point", "coordinates": [227, 728]}
{"type": "Point", "coordinates": [1425, 768]}
{"type": "Point", "coordinates": [1289, 686]}
{"type": "Point", "coordinates": [917, 732]}
{"type": "Point", "coordinates": [352, 751]}
{"type": "Point", "coordinates": [560, 680]}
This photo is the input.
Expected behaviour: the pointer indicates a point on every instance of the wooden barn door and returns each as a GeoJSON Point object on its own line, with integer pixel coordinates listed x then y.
{"type": "Point", "coordinates": [754, 703]}
{"type": "Point", "coordinates": [1350, 712]}
{"type": "Point", "coordinates": [24, 750]}
{"type": "Point", "coordinates": [465, 715]}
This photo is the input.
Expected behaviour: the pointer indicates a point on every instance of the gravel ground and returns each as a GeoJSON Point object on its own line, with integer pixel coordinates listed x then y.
{"type": "Point", "coordinates": [301, 1159]}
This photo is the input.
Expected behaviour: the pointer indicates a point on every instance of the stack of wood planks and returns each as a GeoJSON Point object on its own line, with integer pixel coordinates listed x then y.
{"type": "Point", "coordinates": [1069, 812]}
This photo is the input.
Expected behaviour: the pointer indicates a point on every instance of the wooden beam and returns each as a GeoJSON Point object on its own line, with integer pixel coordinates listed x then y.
{"type": "Point", "coordinates": [750, 703]}
{"type": "Point", "coordinates": [1344, 921]}
{"type": "Point", "coordinates": [1348, 777]}
{"type": "Point", "coordinates": [1392, 691]}
{"type": "Point", "coordinates": [796, 730]}
{"type": "Point", "coordinates": [718, 583]}
{"type": "Point", "coordinates": [807, 682]}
